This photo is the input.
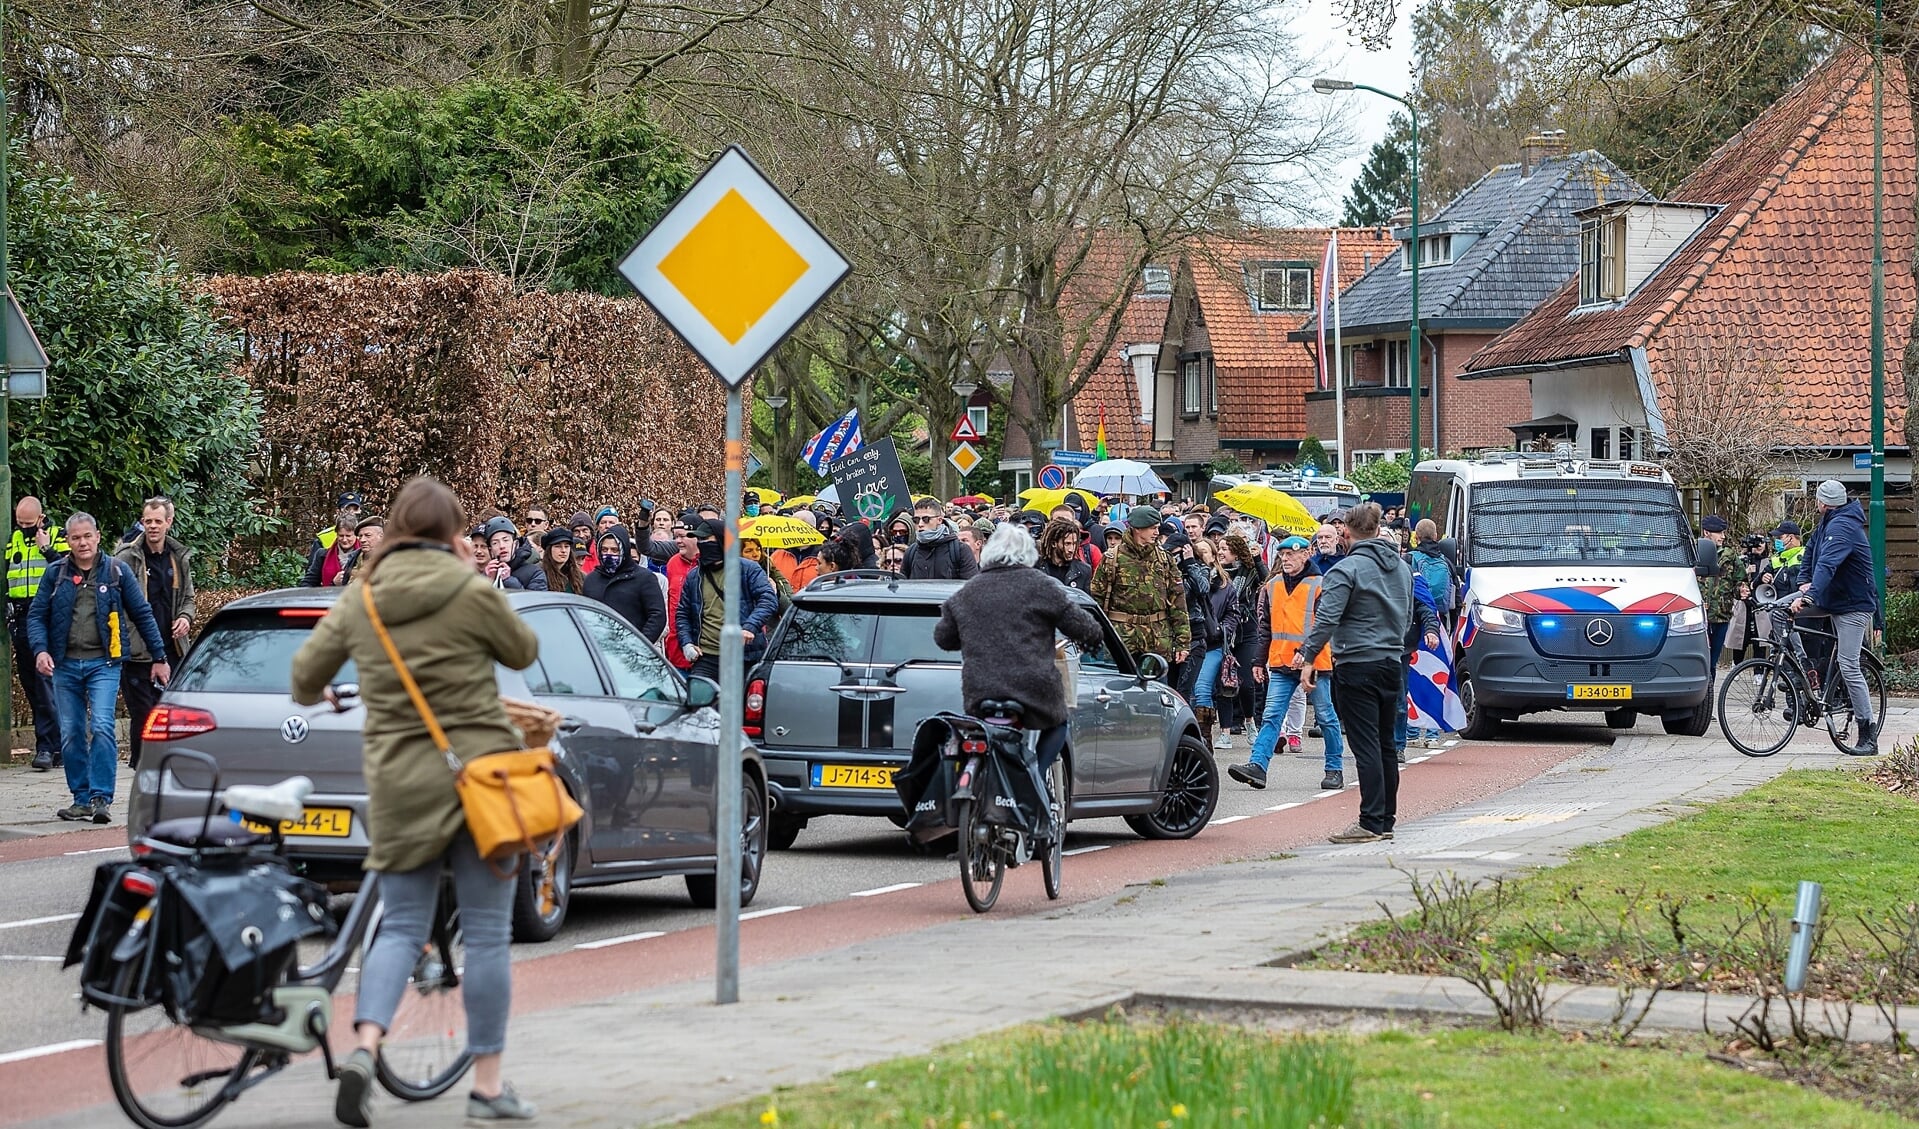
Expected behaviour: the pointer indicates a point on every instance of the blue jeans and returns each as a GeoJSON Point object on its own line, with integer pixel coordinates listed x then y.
{"type": "Point", "coordinates": [1208, 677]}
{"type": "Point", "coordinates": [84, 693]}
{"type": "Point", "coordinates": [486, 918]}
{"type": "Point", "coordinates": [1281, 684]}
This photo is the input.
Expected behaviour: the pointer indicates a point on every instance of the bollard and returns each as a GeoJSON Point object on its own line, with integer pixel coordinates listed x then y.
{"type": "Point", "coordinates": [1805, 919]}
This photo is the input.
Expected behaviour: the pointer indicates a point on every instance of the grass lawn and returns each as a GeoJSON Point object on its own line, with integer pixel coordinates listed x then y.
{"type": "Point", "coordinates": [1833, 827]}
{"type": "Point", "coordinates": [1181, 1074]}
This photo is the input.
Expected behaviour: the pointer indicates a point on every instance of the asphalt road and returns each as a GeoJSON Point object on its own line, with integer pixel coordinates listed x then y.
{"type": "Point", "coordinates": [836, 859]}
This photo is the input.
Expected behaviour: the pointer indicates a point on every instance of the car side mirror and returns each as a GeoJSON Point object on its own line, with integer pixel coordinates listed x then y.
{"type": "Point", "coordinates": [1152, 668]}
{"type": "Point", "coordinates": [701, 692]}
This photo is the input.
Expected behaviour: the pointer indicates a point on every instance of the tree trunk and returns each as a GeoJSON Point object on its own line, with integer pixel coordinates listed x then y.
{"type": "Point", "coordinates": [1909, 359]}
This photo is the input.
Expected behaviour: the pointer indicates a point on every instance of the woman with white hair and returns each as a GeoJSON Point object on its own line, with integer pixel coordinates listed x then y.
{"type": "Point", "coordinates": [1002, 622]}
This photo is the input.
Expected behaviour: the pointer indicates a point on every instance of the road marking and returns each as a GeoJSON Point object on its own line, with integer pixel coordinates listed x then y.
{"type": "Point", "coordinates": [94, 851]}
{"type": "Point", "coordinates": [1419, 760]}
{"type": "Point", "coordinates": [1229, 819]}
{"type": "Point", "coordinates": [58, 917]}
{"type": "Point", "coordinates": [769, 912]}
{"type": "Point", "coordinates": [611, 941]}
{"type": "Point", "coordinates": [1326, 793]}
{"type": "Point", "coordinates": [49, 1049]}
{"type": "Point", "coordinates": [1087, 850]}
{"type": "Point", "coordinates": [1283, 807]}
{"type": "Point", "coordinates": [1453, 855]}
{"type": "Point", "coordinates": [894, 888]}
{"type": "Point", "coordinates": [51, 959]}
{"type": "Point", "coordinates": [1354, 784]}
{"type": "Point", "coordinates": [1503, 856]}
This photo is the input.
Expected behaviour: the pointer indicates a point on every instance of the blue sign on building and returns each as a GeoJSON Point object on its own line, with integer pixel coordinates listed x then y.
{"type": "Point", "coordinates": [1074, 459]}
{"type": "Point", "coordinates": [1862, 460]}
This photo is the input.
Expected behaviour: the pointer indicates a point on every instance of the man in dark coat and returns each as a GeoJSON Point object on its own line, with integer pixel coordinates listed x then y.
{"type": "Point", "coordinates": [623, 584]}
{"type": "Point", "coordinates": [937, 553]}
{"type": "Point", "coordinates": [701, 614]}
{"type": "Point", "coordinates": [522, 560]}
{"type": "Point", "coordinates": [1841, 583]}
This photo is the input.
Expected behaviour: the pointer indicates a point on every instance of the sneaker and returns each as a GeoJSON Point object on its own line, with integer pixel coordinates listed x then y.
{"type": "Point", "coordinates": [42, 761]}
{"type": "Point", "coordinates": [1354, 834]}
{"type": "Point", "coordinates": [1224, 740]}
{"type": "Point", "coordinates": [78, 813]}
{"type": "Point", "coordinates": [1293, 743]}
{"type": "Point", "coordinates": [102, 809]}
{"type": "Point", "coordinates": [1312, 731]}
{"type": "Point", "coordinates": [1247, 774]}
{"type": "Point", "coordinates": [1332, 781]}
{"type": "Point", "coordinates": [1399, 755]}
{"type": "Point", "coordinates": [1385, 835]}
{"type": "Point", "coordinates": [353, 1101]}
{"type": "Point", "coordinates": [59, 758]}
{"type": "Point", "coordinates": [508, 1106]}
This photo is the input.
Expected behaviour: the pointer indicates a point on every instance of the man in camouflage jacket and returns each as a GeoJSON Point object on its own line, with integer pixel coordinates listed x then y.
{"type": "Point", "coordinates": [1139, 587]}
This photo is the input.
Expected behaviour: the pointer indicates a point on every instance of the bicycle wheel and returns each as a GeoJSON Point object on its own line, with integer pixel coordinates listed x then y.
{"type": "Point", "coordinates": [1050, 866]}
{"type": "Point", "coordinates": [1841, 725]}
{"type": "Point", "coordinates": [1759, 707]}
{"type": "Point", "coordinates": [982, 866]}
{"type": "Point", "coordinates": [167, 1075]}
{"type": "Point", "coordinates": [424, 1052]}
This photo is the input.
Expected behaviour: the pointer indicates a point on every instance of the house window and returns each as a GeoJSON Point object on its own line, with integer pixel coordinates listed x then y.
{"type": "Point", "coordinates": [1157, 280]}
{"type": "Point", "coordinates": [1361, 458]}
{"type": "Point", "coordinates": [1212, 388]}
{"type": "Point", "coordinates": [1190, 374]}
{"type": "Point", "coordinates": [980, 415]}
{"type": "Point", "coordinates": [1285, 288]}
{"type": "Point", "coordinates": [1398, 373]}
{"type": "Point", "coordinates": [1602, 443]}
{"type": "Point", "coordinates": [1602, 259]}
{"type": "Point", "coordinates": [1435, 250]}
{"type": "Point", "coordinates": [1630, 444]}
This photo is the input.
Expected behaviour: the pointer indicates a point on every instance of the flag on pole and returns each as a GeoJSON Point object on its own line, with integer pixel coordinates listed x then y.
{"type": "Point", "coordinates": [1431, 700]}
{"type": "Point", "coordinates": [1328, 286]}
{"type": "Point", "coordinates": [1099, 438]}
{"type": "Point", "coordinates": [836, 440]}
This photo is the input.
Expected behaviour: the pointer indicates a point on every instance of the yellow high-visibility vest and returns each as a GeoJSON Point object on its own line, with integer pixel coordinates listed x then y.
{"type": "Point", "coordinates": [26, 562]}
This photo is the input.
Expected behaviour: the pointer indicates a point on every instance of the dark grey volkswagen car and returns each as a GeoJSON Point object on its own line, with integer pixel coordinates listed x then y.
{"type": "Point", "coordinates": [638, 748]}
{"type": "Point", "coordinates": [852, 669]}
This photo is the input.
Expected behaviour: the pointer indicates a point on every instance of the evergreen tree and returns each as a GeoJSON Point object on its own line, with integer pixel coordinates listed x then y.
{"type": "Point", "coordinates": [1382, 188]}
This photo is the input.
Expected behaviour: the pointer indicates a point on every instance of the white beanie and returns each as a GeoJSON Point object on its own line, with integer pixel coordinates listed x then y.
{"type": "Point", "coordinates": [1830, 493]}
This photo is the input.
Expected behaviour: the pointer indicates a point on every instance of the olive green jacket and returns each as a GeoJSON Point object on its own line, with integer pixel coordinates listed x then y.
{"type": "Point", "coordinates": [1142, 592]}
{"type": "Point", "coordinates": [450, 627]}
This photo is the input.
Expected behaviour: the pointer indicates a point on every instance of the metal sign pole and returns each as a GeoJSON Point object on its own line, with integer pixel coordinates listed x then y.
{"type": "Point", "coordinates": [732, 715]}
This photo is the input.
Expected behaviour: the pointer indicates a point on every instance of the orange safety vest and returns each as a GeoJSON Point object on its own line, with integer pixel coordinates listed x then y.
{"type": "Point", "coordinates": [1292, 614]}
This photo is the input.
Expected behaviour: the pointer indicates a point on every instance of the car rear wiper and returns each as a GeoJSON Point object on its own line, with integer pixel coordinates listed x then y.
{"type": "Point", "coordinates": [904, 663]}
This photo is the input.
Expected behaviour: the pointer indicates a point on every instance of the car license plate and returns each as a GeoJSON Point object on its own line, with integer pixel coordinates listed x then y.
{"type": "Point", "coordinates": [853, 776]}
{"type": "Point", "coordinates": [319, 823]}
{"type": "Point", "coordinates": [1600, 692]}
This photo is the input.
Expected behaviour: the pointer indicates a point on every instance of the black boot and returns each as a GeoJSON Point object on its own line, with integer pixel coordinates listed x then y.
{"type": "Point", "coordinates": [1867, 743]}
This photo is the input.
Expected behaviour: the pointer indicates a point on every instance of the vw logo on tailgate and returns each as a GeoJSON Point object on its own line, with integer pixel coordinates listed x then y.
{"type": "Point", "coordinates": [294, 729]}
{"type": "Point", "coordinates": [1598, 633]}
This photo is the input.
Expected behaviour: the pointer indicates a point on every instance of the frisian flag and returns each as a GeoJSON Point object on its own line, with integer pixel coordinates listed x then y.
{"type": "Point", "coordinates": [836, 440]}
{"type": "Point", "coordinates": [1431, 700]}
{"type": "Point", "coordinates": [1328, 285]}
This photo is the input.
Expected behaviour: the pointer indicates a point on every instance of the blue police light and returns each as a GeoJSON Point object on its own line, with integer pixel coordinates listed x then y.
{"type": "Point", "coordinates": [1648, 623]}
{"type": "Point", "coordinates": [1309, 472]}
{"type": "Point", "coordinates": [1548, 624]}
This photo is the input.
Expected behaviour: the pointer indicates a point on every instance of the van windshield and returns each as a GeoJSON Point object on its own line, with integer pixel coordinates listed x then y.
{"type": "Point", "coordinates": [1626, 523]}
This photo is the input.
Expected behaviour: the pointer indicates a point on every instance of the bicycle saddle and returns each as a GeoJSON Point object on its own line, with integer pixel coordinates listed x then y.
{"type": "Point", "coordinates": [271, 803]}
{"type": "Point", "coordinates": [1001, 707]}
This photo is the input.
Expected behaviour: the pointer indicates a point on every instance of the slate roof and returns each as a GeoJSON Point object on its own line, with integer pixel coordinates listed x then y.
{"type": "Point", "coordinates": [1529, 245]}
{"type": "Point", "coordinates": [1787, 260]}
{"type": "Point", "coordinates": [1264, 377]}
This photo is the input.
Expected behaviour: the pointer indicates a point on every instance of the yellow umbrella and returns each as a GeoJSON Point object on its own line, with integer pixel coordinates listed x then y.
{"type": "Point", "coordinates": [800, 500]}
{"type": "Point", "coordinates": [1044, 500]}
{"type": "Point", "coordinates": [780, 532]}
{"type": "Point", "coordinates": [765, 495]}
{"type": "Point", "coordinates": [1274, 507]}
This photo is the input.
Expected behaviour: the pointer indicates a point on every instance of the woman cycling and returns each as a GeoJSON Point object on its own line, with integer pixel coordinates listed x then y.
{"type": "Point", "coordinates": [450, 626]}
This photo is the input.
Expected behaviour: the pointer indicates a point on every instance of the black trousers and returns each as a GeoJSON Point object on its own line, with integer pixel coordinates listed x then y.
{"type": "Point", "coordinates": [39, 688]}
{"type": "Point", "coordinates": [136, 686]}
{"type": "Point", "coordinates": [1366, 697]}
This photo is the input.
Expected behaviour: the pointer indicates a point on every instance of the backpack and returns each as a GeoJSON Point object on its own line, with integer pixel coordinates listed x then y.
{"type": "Point", "coordinates": [1438, 576]}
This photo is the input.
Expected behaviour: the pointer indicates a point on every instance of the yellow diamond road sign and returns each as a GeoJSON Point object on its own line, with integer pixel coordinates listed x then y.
{"type": "Point", "coordinates": [733, 266]}
{"type": "Point", "coordinates": [964, 458]}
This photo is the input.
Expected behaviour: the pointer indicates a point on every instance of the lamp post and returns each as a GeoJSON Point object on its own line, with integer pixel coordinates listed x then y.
{"type": "Point", "coordinates": [1336, 85]}
{"type": "Point", "coordinates": [964, 386]}
{"type": "Point", "coordinates": [1878, 516]}
{"type": "Point", "coordinates": [774, 458]}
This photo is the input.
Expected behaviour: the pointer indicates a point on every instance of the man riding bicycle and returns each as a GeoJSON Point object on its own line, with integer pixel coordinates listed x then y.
{"type": "Point", "coordinates": [1002, 622]}
{"type": "Point", "coordinates": [1841, 585]}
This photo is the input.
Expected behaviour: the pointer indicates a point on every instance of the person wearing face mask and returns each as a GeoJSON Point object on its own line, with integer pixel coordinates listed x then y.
{"type": "Point", "coordinates": [685, 558]}
{"type": "Point", "coordinates": [702, 610]}
{"type": "Point", "coordinates": [1782, 571]}
{"type": "Point", "coordinates": [623, 584]}
{"type": "Point", "coordinates": [899, 531]}
{"type": "Point", "coordinates": [36, 543]}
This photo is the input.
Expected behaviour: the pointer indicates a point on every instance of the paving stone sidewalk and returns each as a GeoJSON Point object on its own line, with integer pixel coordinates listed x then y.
{"type": "Point", "coordinates": [656, 1056]}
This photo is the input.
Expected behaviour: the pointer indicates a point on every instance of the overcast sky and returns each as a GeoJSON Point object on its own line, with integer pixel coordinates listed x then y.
{"type": "Point", "coordinates": [1321, 35]}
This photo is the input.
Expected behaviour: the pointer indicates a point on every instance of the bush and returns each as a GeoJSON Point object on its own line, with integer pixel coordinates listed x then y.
{"type": "Point", "coordinates": [1902, 622]}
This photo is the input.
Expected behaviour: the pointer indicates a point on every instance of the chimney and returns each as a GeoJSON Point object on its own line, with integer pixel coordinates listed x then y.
{"type": "Point", "coordinates": [1541, 146]}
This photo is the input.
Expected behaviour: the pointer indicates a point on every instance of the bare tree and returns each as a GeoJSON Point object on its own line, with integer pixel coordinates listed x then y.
{"type": "Point", "coordinates": [1726, 424]}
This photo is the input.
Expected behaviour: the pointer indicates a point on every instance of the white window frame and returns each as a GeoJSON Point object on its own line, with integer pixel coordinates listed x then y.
{"type": "Point", "coordinates": [1190, 394]}
{"type": "Point", "coordinates": [1212, 387]}
{"type": "Point", "coordinates": [1602, 260]}
{"type": "Point", "coordinates": [1435, 250]}
{"type": "Point", "coordinates": [1593, 438]}
{"type": "Point", "coordinates": [1394, 367]}
{"type": "Point", "coordinates": [1286, 278]}
{"type": "Point", "coordinates": [1156, 280]}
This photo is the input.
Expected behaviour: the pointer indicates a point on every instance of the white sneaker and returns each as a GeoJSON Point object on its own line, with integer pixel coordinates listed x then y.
{"type": "Point", "coordinates": [1223, 740]}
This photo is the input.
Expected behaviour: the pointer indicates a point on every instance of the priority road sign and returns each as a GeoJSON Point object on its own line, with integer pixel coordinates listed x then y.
{"type": "Point", "coordinates": [733, 266]}
{"type": "Point", "coordinates": [1052, 477]}
{"type": "Point", "coordinates": [965, 432]}
{"type": "Point", "coordinates": [964, 458]}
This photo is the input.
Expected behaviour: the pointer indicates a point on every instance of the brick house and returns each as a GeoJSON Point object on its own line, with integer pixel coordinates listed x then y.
{"type": "Point", "coordinates": [1205, 367]}
{"type": "Point", "coordinates": [1486, 260]}
{"type": "Point", "coordinates": [1764, 253]}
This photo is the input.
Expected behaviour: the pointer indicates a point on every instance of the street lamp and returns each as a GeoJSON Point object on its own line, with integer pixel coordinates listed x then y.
{"type": "Point", "coordinates": [964, 389]}
{"type": "Point", "coordinates": [776, 403]}
{"type": "Point", "coordinates": [1335, 86]}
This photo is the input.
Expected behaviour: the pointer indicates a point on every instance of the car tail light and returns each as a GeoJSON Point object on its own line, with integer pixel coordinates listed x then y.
{"type": "Point", "coordinates": [170, 723]}
{"type": "Point", "coordinates": [754, 721]}
{"type": "Point", "coordinates": [139, 882]}
{"type": "Point", "coordinates": [303, 613]}
{"type": "Point", "coordinates": [972, 745]}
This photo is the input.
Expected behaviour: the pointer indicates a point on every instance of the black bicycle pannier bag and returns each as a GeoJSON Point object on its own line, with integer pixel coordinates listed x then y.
{"type": "Point", "coordinates": [107, 918]}
{"type": "Point", "coordinates": [1016, 800]}
{"type": "Point", "coordinates": [925, 785]}
{"type": "Point", "coordinates": [228, 935]}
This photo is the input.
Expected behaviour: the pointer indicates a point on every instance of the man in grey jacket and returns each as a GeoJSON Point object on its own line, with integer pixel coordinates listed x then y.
{"type": "Point", "coordinates": [1365, 610]}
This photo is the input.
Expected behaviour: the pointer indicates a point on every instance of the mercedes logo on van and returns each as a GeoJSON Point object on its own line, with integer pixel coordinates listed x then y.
{"type": "Point", "coordinates": [1598, 633]}
{"type": "Point", "coordinates": [294, 729]}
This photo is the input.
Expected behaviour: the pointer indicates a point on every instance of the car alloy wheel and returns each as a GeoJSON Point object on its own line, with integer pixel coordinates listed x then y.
{"type": "Point", "coordinates": [1192, 792]}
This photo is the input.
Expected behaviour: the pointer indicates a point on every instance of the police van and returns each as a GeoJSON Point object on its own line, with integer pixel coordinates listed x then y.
{"type": "Point", "coordinates": [1579, 591]}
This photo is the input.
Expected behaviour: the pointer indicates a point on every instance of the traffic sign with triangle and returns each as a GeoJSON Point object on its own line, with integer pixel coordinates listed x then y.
{"type": "Point", "coordinates": [965, 432]}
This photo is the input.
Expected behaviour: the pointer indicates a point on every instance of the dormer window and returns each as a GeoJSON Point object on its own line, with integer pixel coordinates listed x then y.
{"type": "Point", "coordinates": [1157, 281]}
{"type": "Point", "coordinates": [1283, 286]}
{"type": "Point", "coordinates": [1602, 259]}
{"type": "Point", "coordinates": [1435, 250]}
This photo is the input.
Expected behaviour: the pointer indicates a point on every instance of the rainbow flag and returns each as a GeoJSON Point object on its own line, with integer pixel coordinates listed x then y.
{"type": "Point", "coordinates": [1099, 438]}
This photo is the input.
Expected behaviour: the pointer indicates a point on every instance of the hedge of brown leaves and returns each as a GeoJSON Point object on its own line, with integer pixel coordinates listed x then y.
{"type": "Point", "coordinates": [569, 401]}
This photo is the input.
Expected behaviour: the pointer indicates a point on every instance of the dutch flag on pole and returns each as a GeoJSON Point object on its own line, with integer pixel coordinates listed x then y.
{"type": "Point", "coordinates": [836, 440]}
{"type": "Point", "coordinates": [1431, 701]}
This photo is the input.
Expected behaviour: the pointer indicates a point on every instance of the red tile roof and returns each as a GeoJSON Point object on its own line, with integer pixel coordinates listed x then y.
{"type": "Point", "coordinates": [1787, 258]}
{"type": "Point", "coordinates": [1263, 377]}
{"type": "Point", "coordinates": [1113, 387]}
